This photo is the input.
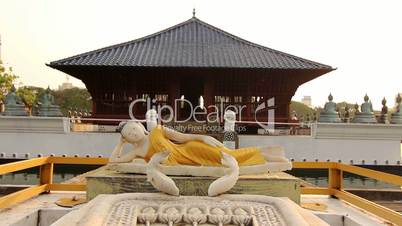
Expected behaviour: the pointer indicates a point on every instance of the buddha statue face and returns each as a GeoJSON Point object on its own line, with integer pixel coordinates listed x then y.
{"type": "Point", "coordinates": [366, 98]}
{"type": "Point", "coordinates": [133, 132]}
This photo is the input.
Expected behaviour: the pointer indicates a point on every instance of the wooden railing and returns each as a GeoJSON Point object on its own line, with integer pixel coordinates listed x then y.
{"type": "Point", "coordinates": [46, 184]}
{"type": "Point", "coordinates": [335, 182]}
{"type": "Point", "coordinates": [335, 186]}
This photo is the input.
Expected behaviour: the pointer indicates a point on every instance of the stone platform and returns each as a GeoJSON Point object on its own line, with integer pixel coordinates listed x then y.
{"type": "Point", "coordinates": [32, 124]}
{"type": "Point", "coordinates": [270, 184]}
{"type": "Point", "coordinates": [160, 209]}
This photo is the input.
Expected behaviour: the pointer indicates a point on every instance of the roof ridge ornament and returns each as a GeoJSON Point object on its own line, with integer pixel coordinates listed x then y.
{"type": "Point", "coordinates": [193, 12]}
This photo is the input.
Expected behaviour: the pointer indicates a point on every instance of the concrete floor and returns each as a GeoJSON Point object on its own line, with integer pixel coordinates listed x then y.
{"type": "Point", "coordinates": [24, 213]}
{"type": "Point", "coordinates": [338, 208]}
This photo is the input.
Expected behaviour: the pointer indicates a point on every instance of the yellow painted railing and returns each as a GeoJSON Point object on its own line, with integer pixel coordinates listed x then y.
{"type": "Point", "coordinates": [335, 182]}
{"type": "Point", "coordinates": [46, 184]}
{"type": "Point", "coordinates": [335, 186]}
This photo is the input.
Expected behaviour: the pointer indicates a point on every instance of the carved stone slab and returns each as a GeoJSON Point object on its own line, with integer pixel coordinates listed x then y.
{"type": "Point", "coordinates": [272, 184]}
{"type": "Point", "coordinates": [160, 209]}
{"type": "Point", "coordinates": [201, 171]}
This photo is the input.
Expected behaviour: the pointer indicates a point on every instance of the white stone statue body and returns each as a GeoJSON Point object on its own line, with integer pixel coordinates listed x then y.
{"type": "Point", "coordinates": [165, 151]}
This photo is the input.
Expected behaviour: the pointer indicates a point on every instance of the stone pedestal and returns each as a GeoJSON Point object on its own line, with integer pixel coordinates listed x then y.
{"type": "Point", "coordinates": [49, 111]}
{"type": "Point", "coordinates": [15, 110]}
{"type": "Point", "coordinates": [396, 118]}
{"type": "Point", "coordinates": [330, 113]}
{"type": "Point", "coordinates": [12, 124]}
{"type": "Point", "coordinates": [383, 119]}
{"type": "Point", "coordinates": [270, 184]}
{"type": "Point", "coordinates": [362, 117]}
{"type": "Point", "coordinates": [330, 117]}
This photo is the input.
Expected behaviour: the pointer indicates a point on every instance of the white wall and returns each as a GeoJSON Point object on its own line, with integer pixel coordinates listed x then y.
{"type": "Point", "coordinates": [93, 144]}
{"type": "Point", "coordinates": [309, 148]}
{"type": "Point", "coordinates": [297, 147]}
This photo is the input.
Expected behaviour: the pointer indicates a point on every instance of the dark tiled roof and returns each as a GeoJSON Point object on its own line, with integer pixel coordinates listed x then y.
{"type": "Point", "coordinates": [192, 43]}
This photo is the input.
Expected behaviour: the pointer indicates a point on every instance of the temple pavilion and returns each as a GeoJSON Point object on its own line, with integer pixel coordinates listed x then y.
{"type": "Point", "coordinates": [190, 60]}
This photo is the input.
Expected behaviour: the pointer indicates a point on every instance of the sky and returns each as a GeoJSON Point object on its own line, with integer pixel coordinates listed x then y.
{"type": "Point", "coordinates": [361, 38]}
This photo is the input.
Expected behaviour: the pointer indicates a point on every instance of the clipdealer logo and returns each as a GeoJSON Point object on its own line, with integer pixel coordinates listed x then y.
{"type": "Point", "coordinates": [203, 114]}
{"type": "Point", "coordinates": [270, 126]}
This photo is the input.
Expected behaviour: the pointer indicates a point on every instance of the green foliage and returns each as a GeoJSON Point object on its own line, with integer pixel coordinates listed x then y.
{"type": "Point", "coordinates": [301, 109]}
{"type": "Point", "coordinates": [29, 95]}
{"type": "Point", "coordinates": [341, 106]}
{"type": "Point", "coordinates": [7, 78]}
{"type": "Point", "coordinates": [73, 99]}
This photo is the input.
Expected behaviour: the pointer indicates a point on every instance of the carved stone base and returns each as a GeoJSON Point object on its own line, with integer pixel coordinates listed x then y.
{"type": "Point", "coordinates": [364, 118]}
{"type": "Point", "coordinates": [396, 118]}
{"type": "Point", "coordinates": [271, 184]}
{"type": "Point", "coordinates": [159, 209]}
{"type": "Point", "coordinates": [15, 110]}
{"type": "Point", "coordinates": [139, 167]}
{"type": "Point", "coordinates": [51, 111]}
{"type": "Point", "coordinates": [329, 117]}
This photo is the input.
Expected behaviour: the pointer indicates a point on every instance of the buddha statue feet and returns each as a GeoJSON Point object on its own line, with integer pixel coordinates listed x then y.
{"type": "Point", "coordinates": [225, 183]}
{"type": "Point", "coordinates": [165, 184]}
{"type": "Point", "coordinates": [159, 180]}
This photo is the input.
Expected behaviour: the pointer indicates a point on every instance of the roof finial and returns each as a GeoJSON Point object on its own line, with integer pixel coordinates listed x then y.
{"type": "Point", "coordinates": [193, 12]}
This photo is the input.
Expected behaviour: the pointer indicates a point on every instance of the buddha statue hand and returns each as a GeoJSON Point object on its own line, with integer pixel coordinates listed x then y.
{"type": "Point", "coordinates": [159, 180]}
{"type": "Point", "coordinates": [226, 182]}
{"type": "Point", "coordinates": [122, 140]}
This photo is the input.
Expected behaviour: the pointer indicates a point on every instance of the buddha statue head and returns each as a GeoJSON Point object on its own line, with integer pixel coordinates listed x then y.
{"type": "Point", "coordinates": [366, 98]}
{"type": "Point", "coordinates": [384, 109]}
{"type": "Point", "coordinates": [356, 106]}
{"type": "Point", "coordinates": [12, 98]}
{"type": "Point", "coordinates": [347, 109]}
{"type": "Point", "coordinates": [132, 131]}
{"type": "Point", "coordinates": [47, 98]}
{"type": "Point", "coordinates": [330, 106]}
{"type": "Point", "coordinates": [398, 103]}
{"type": "Point", "coordinates": [13, 89]}
{"type": "Point", "coordinates": [330, 97]}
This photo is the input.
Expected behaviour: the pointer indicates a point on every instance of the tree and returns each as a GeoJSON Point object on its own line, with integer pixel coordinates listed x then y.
{"type": "Point", "coordinates": [301, 109]}
{"type": "Point", "coordinates": [343, 106]}
{"type": "Point", "coordinates": [29, 96]}
{"type": "Point", "coordinates": [7, 78]}
{"type": "Point", "coordinates": [73, 99]}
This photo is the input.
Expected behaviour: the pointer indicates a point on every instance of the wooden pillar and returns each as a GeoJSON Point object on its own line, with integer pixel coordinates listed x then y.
{"type": "Point", "coordinates": [208, 93]}
{"type": "Point", "coordinates": [335, 179]}
{"type": "Point", "coordinates": [174, 92]}
{"type": "Point", "coordinates": [94, 106]}
{"type": "Point", "coordinates": [46, 174]}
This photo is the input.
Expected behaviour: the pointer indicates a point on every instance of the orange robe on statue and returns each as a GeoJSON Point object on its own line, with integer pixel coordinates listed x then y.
{"type": "Point", "coordinates": [197, 153]}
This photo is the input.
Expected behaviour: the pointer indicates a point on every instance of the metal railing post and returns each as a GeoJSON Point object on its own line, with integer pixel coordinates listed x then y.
{"type": "Point", "coordinates": [46, 175]}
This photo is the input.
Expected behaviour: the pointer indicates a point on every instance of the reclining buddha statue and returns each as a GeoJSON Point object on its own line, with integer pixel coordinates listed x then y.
{"type": "Point", "coordinates": [164, 151]}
